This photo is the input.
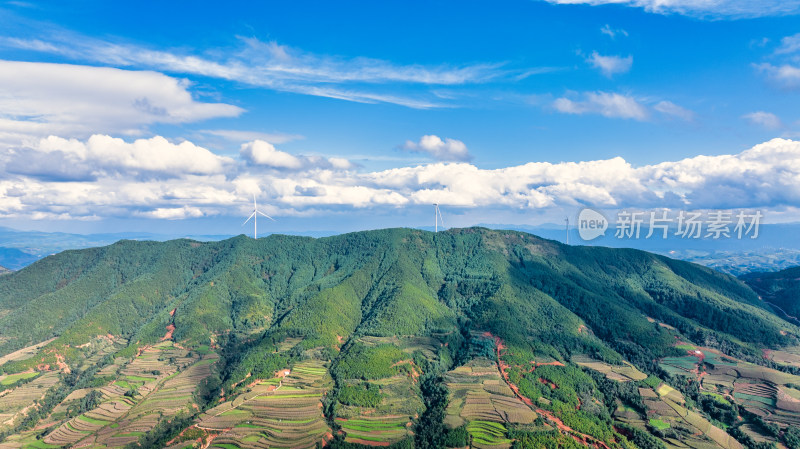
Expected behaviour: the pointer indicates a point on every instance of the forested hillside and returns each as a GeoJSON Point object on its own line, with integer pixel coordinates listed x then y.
{"type": "Point", "coordinates": [780, 290]}
{"type": "Point", "coordinates": [393, 337]}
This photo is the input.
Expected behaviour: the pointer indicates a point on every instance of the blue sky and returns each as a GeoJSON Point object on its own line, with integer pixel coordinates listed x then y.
{"type": "Point", "coordinates": [170, 116]}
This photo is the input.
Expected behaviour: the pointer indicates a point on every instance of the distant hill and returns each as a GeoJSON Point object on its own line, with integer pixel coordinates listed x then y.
{"type": "Point", "coordinates": [777, 246]}
{"type": "Point", "coordinates": [4, 270]}
{"type": "Point", "coordinates": [780, 289]}
{"type": "Point", "coordinates": [774, 250]}
{"type": "Point", "coordinates": [21, 248]}
{"type": "Point", "coordinates": [15, 259]}
{"type": "Point", "coordinates": [398, 337]}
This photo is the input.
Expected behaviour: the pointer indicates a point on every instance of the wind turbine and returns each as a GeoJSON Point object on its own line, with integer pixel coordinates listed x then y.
{"type": "Point", "coordinates": [566, 222]}
{"type": "Point", "coordinates": [254, 216]}
{"type": "Point", "coordinates": [437, 217]}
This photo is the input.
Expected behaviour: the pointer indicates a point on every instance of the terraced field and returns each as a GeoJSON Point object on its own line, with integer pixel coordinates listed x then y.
{"type": "Point", "coordinates": [488, 435]}
{"type": "Point", "coordinates": [622, 373]}
{"type": "Point", "coordinates": [480, 398]}
{"type": "Point", "coordinates": [381, 431]}
{"type": "Point", "coordinates": [279, 412]}
{"type": "Point", "coordinates": [786, 356]}
{"type": "Point", "coordinates": [150, 385]}
{"type": "Point", "coordinates": [14, 403]}
{"type": "Point", "coordinates": [760, 390]}
{"type": "Point", "coordinates": [666, 409]}
{"type": "Point", "coordinates": [400, 398]}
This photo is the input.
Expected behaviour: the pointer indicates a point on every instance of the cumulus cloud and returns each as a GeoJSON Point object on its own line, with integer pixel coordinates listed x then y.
{"type": "Point", "coordinates": [766, 119]}
{"type": "Point", "coordinates": [607, 104]}
{"type": "Point", "coordinates": [765, 176]}
{"type": "Point", "coordinates": [760, 177]}
{"type": "Point", "coordinates": [57, 158]}
{"type": "Point", "coordinates": [441, 150]}
{"type": "Point", "coordinates": [261, 153]}
{"type": "Point", "coordinates": [38, 99]}
{"type": "Point", "coordinates": [708, 9]}
{"type": "Point", "coordinates": [264, 153]}
{"type": "Point", "coordinates": [610, 65]}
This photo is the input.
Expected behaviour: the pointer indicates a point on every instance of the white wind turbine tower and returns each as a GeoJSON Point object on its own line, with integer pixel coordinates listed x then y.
{"type": "Point", "coordinates": [437, 217]}
{"type": "Point", "coordinates": [254, 216]}
{"type": "Point", "coordinates": [566, 222]}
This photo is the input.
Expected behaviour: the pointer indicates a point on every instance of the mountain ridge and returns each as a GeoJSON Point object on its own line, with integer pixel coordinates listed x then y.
{"type": "Point", "coordinates": [379, 323]}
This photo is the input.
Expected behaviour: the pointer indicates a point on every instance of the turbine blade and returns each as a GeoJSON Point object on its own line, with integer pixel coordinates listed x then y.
{"type": "Point", "coordinates": [248, 218]}
{"type": "Point", "coordinates": [440, 215]}
{"type": "Point", "coordinates": [262, 213]}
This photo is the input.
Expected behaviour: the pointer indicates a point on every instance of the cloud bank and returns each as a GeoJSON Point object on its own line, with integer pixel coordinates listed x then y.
{"type": "Point", "coordinates": [160, 179]}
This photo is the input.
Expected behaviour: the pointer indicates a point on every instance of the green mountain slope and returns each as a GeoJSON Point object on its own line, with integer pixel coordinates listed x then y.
{"type": "Point", "coordinates": [781, 289]}
{"type": "Point", "coordinates": [393, 337]}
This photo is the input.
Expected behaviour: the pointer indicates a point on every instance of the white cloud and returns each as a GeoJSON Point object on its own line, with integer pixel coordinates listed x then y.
{"type": "Point", "coordinates": [789, 44]}
{"type": "Point", "coordinates": [279, 67]}
{"type": "Point", "coordinates": [441, 150]}
{"type": "Point", "coordinates": [173, 213]}
{"type": "Point", "coordinates": [39, 99]}
{"type": "Point", "coordinates": [71, 159]}
{"type": "Point", "coordinates": [709, 9]}
{"type": "Point", "coordinates": [613, 33]}
{"type": "Point", "coordinates": [766, 119]}
{"type": "Point", "coordinates": [610, 65]}
{"type": "Point", "coordinates": [264, 153]}
{"type": "Point", "coordinates": [786, 75]}
{"type": "Point", "coordinates": [672, 109]}
{"type": "Point", "coordinates": [607, 104]}
{"type": "Point", "coordinates": [765, 176]}
{"type": "Point", "coordinates": [615, 105]}
{"type": "Point", "coordinates": [261, 153]}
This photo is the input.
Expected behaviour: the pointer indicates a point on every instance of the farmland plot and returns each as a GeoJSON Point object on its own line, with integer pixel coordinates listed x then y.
{"type": "Point", "coordinates": [760, 390]}
{"type": "Point", "coordinates": [389, 418]}
{"type": "Point", "coordinates": [481, 399]}
{"type": "Point", "coordinates": [621, 373]}
{"type": "Point", "coordinates": [370, 430]}
{"type": "Point", "coordinates": [14, 403]}
{"type": "Point", "coordinates": [24, 353]}
{"type": "Point", "coordinates": [280, 412]}
{"type": "Point", "coordinates": [148, 387]}
{"type": "Point", "coordinates": [666, 409]}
